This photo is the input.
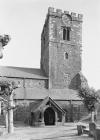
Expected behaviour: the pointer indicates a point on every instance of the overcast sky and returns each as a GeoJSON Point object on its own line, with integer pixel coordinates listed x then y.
{"type": "Point", "coordinates": [23, 20]}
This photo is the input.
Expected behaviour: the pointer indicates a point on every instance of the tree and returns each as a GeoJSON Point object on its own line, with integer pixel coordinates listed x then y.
{"type": "Point", "coordinates": [89, 98]}
{"type": "Point", "coordinates": [7, 88]}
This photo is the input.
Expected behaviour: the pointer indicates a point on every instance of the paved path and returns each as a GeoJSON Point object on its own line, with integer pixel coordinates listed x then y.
{"type": "Point", "coordinates": [66, 132]}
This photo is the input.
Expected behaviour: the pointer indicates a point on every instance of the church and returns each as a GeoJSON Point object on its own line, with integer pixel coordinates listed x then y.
{"type": "Point", "coordinates": [49, 95]}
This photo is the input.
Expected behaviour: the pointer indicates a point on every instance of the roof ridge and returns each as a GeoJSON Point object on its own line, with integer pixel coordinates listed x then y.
{"type": "Point", "coordinates": [19, 67]}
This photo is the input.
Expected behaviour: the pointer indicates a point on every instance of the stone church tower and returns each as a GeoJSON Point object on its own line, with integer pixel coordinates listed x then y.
{"type": "Point", "coordinates": [61, 43]}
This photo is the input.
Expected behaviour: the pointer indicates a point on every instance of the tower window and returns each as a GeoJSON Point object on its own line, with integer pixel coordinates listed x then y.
{"type": "Point", "coordinates": [66, 55]}
{"type": "Point", "coordinates": [2, 88]}
{"type": "Point", "coordinates": [66, 33]}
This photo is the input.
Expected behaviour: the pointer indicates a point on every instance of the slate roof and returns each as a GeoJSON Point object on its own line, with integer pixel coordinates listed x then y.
{"type": "Point", "coordinates": [38, 93]}
{"type": "Point", "coordinates": [41, 104]}
{"type": "Point", "coordinates": [19, 72]}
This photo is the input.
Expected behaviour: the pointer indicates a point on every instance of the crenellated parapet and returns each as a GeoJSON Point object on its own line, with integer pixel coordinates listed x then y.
{"type": "Point", "coordinates": [59, 13]}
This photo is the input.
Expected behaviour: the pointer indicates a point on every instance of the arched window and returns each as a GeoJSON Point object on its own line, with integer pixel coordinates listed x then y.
{"type": "Point", "coordinates": [66, 55]}
{"type": "Point", "coordinates": [66, 33]}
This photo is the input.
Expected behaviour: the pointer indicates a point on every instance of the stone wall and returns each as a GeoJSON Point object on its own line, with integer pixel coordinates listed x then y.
{"type": "Point", "coordinates": [61, 70]}
{"type": "Point", "coordinates": [18, 81]}
{"type": "Point", "coordinates": [45, 48]}
{"type": "Point", "coordinates": [30, 83]}
{"type": "Point", "coordinates": [22, 111]}
{"type": "Point", "coordinates": [75, 110]}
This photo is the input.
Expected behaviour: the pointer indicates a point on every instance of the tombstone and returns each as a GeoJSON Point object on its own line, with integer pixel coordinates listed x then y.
{"type": "Point", "coordinates": [97, 134]}
{"type": "Point", "coordinates": [80, 130]}
{"type": "Point", "coordinates": [92, 129]}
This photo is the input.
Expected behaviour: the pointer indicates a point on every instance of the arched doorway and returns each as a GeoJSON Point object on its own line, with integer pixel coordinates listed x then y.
{"type": "Point", "coordinates": [49, 116]}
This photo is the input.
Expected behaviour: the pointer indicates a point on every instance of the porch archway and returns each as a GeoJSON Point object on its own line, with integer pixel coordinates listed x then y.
{"type": "Point", "coordinates": [49, 116]}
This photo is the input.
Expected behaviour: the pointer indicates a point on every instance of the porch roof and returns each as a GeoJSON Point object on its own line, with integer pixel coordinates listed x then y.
{"type": "Point", "coordinates": [41, 104]}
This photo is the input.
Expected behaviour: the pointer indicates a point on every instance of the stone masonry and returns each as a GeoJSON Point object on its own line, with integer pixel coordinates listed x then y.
{"type": "Point", "coordinates": [57, 67]}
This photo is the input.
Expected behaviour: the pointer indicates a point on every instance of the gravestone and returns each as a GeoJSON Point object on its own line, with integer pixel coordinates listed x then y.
{"type": "Point", "coordinates": [92, 129]}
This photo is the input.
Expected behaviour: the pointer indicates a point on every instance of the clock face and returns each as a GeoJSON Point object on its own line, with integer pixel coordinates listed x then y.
{"type": "Point", "coordinates": [66, 20]}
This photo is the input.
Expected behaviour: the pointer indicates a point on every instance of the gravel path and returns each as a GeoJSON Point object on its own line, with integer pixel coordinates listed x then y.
{"type": "Point", "coordinates": [66, 132]}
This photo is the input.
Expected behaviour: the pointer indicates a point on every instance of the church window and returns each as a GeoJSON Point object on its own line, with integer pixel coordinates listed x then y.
{"type": "Point", "coordinates": [66, 33]}
{"type": "Point", "coordinates": [66, 55]}
{"type": "Point", "coordinates": [40, 116]}
{"type": "Point", "coordinates": [2, 105]}
{"type": "Point", "coordinates": [2, 88]}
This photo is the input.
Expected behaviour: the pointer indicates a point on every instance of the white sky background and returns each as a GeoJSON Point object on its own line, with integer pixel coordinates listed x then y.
{"type": "Point", "coordinates": [23, 20]}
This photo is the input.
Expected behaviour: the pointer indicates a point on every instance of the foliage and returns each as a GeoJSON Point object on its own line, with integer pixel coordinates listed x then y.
{"type": "Point", "coordinates": [89, 98]}
{"type": "Point", "coordinates": [8, 86]}
{"type": "Point", "coordinates": [4, 39]}
{"type": "Point", "coordinates": [84, 82]}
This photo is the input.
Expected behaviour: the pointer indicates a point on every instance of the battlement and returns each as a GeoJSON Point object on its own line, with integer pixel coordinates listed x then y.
{"type": "Point", "coordinates": [59, 13]}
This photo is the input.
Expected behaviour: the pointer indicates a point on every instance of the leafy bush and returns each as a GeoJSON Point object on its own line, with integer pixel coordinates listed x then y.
{"type": "Point", "coordinates": [89, 98]}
